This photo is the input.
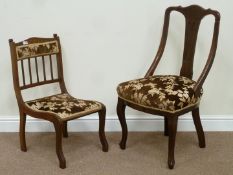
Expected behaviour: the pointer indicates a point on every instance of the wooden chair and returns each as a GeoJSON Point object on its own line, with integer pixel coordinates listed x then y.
{"type": "Point", "coordinates": [171, 96]}
{"type": "Point", "coordinates": [59, 108]}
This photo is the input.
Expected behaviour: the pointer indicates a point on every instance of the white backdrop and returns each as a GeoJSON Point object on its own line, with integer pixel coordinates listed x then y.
{"type": "Point", "coordinates": [106, 42]}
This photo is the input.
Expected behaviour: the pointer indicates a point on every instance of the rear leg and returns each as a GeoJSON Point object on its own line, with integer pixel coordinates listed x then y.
{"type": "Point", "coordinates": [198, 126]}
{"type": "Point", "coordinates": [22, 131]}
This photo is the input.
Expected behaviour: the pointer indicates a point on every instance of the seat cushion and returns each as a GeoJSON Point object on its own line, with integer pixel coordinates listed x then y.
{"type": "Point", "coordinates": [168, 93]}
{"type": "Point", "coordinates": [65, 106]}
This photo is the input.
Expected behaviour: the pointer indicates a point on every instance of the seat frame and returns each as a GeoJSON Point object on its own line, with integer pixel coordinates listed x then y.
{"type": "Point", "coordinates": [60, 125]}
{"type": "Point", "coordinates": [193, 15]}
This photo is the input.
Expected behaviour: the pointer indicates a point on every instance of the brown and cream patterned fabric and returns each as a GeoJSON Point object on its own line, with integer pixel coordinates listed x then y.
{"type": "Point", "coordinates": [37, 49]}
{"type": "Point", "coordinates": [64, 105]}
{"type": "Point", "coordinates": [168, 93]}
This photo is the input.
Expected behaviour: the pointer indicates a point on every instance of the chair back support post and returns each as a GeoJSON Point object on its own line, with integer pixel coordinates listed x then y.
{"type": "Point", "coordinates": [162, 45]}
{"type": "Point", "coordinates": [211, 56]}
{"type": "Point", "coordinates": [60, 67]}
{"type": "Point", "coordinates": [15, 73]}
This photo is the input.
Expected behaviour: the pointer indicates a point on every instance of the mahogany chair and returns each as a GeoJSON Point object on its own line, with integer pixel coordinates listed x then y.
{"type": "Point", "coordinates": [59, 108]}
{"type": "Point", "coordinates": [171, 96]}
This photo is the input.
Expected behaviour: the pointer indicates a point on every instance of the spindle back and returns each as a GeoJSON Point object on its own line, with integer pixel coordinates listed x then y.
{"type": "Point", "coordinates": [32, 50]}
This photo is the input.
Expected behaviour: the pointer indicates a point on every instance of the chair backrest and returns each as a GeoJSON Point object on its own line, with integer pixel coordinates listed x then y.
{"type": "Point", "coordinates": [193, 15]}
{"type": "Point", "coordinates": [31, 50]}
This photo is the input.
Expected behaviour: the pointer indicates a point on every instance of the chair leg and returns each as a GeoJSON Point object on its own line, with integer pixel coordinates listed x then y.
{"type": "Point", "coordinates": [65, 132]}
{"type": "Point", "coordinates": [22, 131]}
{"type": "Point", "coordinates": [102, 115]}
{"type": "Point", "coordinates": [198, 126]}
{"type": "Point", "coordinates": [172, 125]}
{"type": "Point", "coordinates": [165, 126]}
{"type": "Point", "coordinates": [59, 129]}
{"type": "Point", "coordinates": [121, 115]}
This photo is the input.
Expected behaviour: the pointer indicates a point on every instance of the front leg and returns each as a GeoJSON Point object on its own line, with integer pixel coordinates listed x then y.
{"type": "Point", "coordinates": [59, 129]}
{"type": "Point", "coordinates": [121, 115]}
{"type": "Point", "coordinates": [166, 126]}
{"type": "Point", "coordinates": [65, 131]}
{"type": "Point", "coordinates": [102, 115]}
{"type": "Point", "coordinates": [172, 129]}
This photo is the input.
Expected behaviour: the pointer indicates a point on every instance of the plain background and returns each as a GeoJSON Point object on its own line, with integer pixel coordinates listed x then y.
{"type": "Point", "coordinates": [106, 42]}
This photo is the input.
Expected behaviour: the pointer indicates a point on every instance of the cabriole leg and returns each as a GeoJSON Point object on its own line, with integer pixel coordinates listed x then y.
{"type": "Point", "coordinates": [65, 130]}
{"type": "Point", "coordinates": [172, 125]}
{"type": "Point", "coordinates": [102, 115]}
{"type": "Point", "coordinates": [121, 115]}
{"type": "Point", "coordinates": [198, 126]}
{"type": "Point", "coordinates": [166, 126]}
{"type": "Point", "coordinates": [59, 129]}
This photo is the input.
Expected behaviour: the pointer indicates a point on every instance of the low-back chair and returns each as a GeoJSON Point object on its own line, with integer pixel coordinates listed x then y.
{"type": "Point", "coordinates": [58, 108]}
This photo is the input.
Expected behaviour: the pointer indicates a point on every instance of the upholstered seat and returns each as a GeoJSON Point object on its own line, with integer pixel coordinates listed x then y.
{"type": "Point", "coordinates": [65, 106]}
{"type": "Point", "coordinates": [168, 93]}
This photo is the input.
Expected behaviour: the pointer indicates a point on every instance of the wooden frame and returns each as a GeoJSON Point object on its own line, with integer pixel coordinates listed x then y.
{"type": "Point", "coordinates": [60, 125]}
{"type": "Point", "coordinates": [193, 15]}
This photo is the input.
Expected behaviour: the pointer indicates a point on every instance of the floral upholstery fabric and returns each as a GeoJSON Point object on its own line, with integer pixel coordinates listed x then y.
{"type": "Point", "coordinates": [168, 93]}
{"type": "Point", "coordinates": [37, 49]}
{"type": "Point", "coordinates": [64, 105]}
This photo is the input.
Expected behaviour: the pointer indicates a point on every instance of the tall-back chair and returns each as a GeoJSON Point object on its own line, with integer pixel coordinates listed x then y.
{"type": "Point", "coordinates": [171, 96]}
{"type": "Point", "coordinates": [32, 55]}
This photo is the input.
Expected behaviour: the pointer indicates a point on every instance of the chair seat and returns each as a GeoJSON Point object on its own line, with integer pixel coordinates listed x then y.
{"type": "Point", "coordinates": [169, 93]}
{"type": "Point", "coordinates": [64, 106]}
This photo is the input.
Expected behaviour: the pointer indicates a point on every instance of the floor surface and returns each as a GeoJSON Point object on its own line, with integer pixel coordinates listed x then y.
{"type": "Point", "coordinates": [146, 154]}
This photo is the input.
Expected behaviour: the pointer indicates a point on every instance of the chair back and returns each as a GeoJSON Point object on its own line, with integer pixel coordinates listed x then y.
{"type": "Point", "coordinates": [36, 50]}
{"type": "Point", "coordinates": [193, 15]}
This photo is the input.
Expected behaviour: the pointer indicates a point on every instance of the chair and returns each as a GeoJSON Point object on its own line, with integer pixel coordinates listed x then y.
{"type": "Point", "coordinates": [171, 96]}
{"type": "Point", "coordinates": [59, 108]}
